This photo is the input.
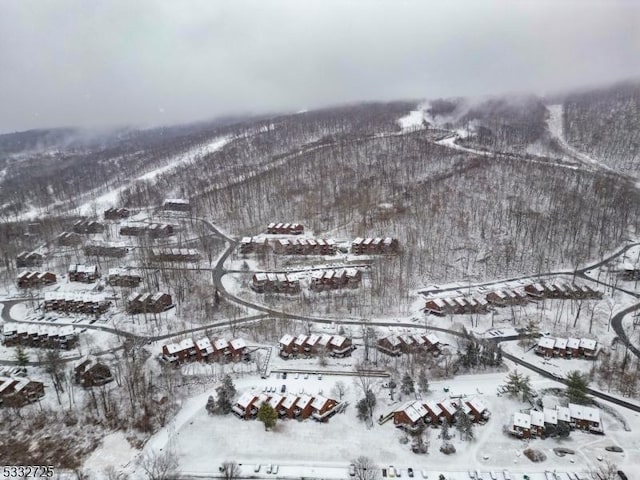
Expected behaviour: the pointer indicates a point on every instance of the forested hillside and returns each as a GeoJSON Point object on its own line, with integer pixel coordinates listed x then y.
{"type": "Point", "coordinates": [605, 124]}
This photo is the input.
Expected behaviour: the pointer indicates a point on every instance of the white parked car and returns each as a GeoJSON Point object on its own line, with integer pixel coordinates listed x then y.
{"type": "Point", "coordinates": [269, 467]}
{"type": "Point", "coordinates": [274, 470]}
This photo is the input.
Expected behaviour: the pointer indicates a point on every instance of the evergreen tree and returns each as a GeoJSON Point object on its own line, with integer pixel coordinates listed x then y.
{"type": "Point", "coordinates": [517, 384]}
{"type": "Point", "coordinates": [365, 406]}
{"type": "Point", "coordinates": [577, 385]}
{"type": "Point", "coordinates": [21, 356]}
{"type": "Point", "coordinates": [267, 415]}
{"type": "Point", "coordinates": [464, 425]}
{"type": "Point", "coordinates": [563, 430]}
{"type": "Point", "coordinates": [225, 392]}
{"type": "Point", "coordinates": [445, 432]}
{"type": "Point", "coordinates": [407, 386]}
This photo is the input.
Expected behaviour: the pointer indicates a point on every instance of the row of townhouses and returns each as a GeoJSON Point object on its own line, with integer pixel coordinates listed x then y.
{"type": "Point", "coordinates": [567, 347]}
{"type": "Point", "coordinates": [146, 302]}
{"type": "Point", "coordinates": [75, 302]}
{"type": "Point", "coordinates": [535, 423]}
{"type": "Point", "coordinates": [285, 229]}
{"type": "Point", "coordinates": [206, 350]}
{"type": "Point", "coordinates": [287, 406]}
{"type": "Point", "coordinates": [374, 246]}
{"type": "Point", "coordinates": [396, 345]}
{"type": "Point", "coordinates": [333, 345]}
{"type": "Point", "coordinates": [31, 279]}
{"type": "Point", "coordinates": [43, 336]}
{"type": "Point", "coordinates": [19, 391]}
{"type": "Point", "coordinates": [415, 413]}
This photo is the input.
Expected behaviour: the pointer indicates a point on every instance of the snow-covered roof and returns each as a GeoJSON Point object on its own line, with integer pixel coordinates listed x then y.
{"type": "Point", "coordinates": [289, 401]}
{"type": "Point", "coordinates": [300, 339]}
{"type": "Point", "coordinates": [204, 345]}
{"type": "Point", "coordinates": [413, 410]}
{"type": "Point", "coordinates": [447, 406]}
{"type": "Point", "coordinates": [337, 341]}
{"type": "Point", "coordinates": [418, 339]}
{"type": "Point", "coordinates": [220, 344]}
{"type": "Point", "coordinates": [304, 401]}
{"type": "Point", "coordinates": [275, 400]}
{"type": "Point", "coordinates": [181, 201]}
{"type": "Point", "coordinates": [580, 412]}
{"type": "Point", "coordinates": [246, 399]}
{"type": "Point", "coordinates": [432, 338]}
{"type": "Point", "coordinates": [434, 408]}
{"type": "Point", "coordinates": [187, 343]}
{"type": "Point", "coordinates": [537, 418]}
{"type": "Point", "coordinates": [588, 344]}
{"type": "Point", "coordinates": [550, 415]}
{"type": "Point", "coordinates": [477, 404]}
{"type": "Point", "coordinates": [319, 402]}
{"type": "Point", "coordinates": [286, 340]}
{"type": "Point", "coordinates": [561, 343]}
{"type": "Point", "coordinates": [393, 340]}
{"type": "Point", "coordinates": [324, 339]}
{"type": "Point", "coordinates": [546, 342]}
{"type": "Point", "coordinates": [564, 414]}
{"type": "Point", "coordinates": [573, 343]}
{"type": "Point", "coordinates": [312, 340]}
{"type": "Point", "coordinates": [173, 348]}
{"type": "Point", "coordinates": [237, 344]}
{"type": "Point", "coordinates": [522, 420]}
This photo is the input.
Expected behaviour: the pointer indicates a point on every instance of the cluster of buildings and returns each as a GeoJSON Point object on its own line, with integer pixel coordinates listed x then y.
{"type": "Point", "coordinates": [68, 239]}
{"type": "Point", "coordinates": [396, 345]}
{"type": "Point", "coordinates": [124, 277]}
{"type": "Point", "coordinates": [42, 336]}
{"type": "Point", "coordinates": [507, 297]}
{"type": "Point", "coordinates": [285, 229]}
{"type": "Point", "coordinates": [87, 227]}
{"type": "Point", "coordinates": [305, 246]}
{"type": "Point", "coordinates": [19, 391]}
{"type": "Point", "coordinates": [567, 347]}
{"type": "Point", "coordinates": [83, 273]}
{"type": "Point", "coordinates": [141, 229]}
{"type": "Point", "coordinates": [535, 423]}
{"type": "Point", "coordinates": [103, 249]}
{"type": "Point", "coordinates": [308, 345]}
{"type": "Point", "coordinates": [253, 245]}
{"type": "Point", "coordinates": [29, 259]}
{"type": "Point", "coordinates": [75, 302]}
{"type": "Point", "coordinates": [174, 255]}
{"type": "Point", "coordinates": [145, 302]}
{"type": "Point", "coordinates": [335, 279]}
{"type": "Point", "coordinates": [561, 290]}
{"type": "Point", "coordinates": [35, 279]}
{"type": "Point", "coordinates": [116, 213]}
{"type": "Point", "coordinates": [374, 246]}
{"type": "Point", "coordinates": [176, 205]}
{"type": "Point", "coordinates": [89, 372]}
{"type": "Point", "coordinates": [205, 349]}
{"type": "Point", "coordinates": [287, 406]}
{"type": "Point", "coordinates": [274, 283]}
{"type": "Point", "coordinates": [415, 413]}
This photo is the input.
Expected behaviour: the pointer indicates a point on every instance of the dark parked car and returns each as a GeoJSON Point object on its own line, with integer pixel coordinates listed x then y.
{"type": "Point", "coordinates": [613, 448]}
{"type": "Point", "coordinates": [284, 375]}
{"type": "Point", "coordinates": [622, 475]}
{"type": "Point", "coordinates": [410, 471]}
{"type": "Point", "coordinates": [283, 389]}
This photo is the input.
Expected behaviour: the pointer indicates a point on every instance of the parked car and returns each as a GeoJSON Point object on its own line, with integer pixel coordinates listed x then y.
{"type": "Point", "coordinates": [352, 470]}
{"type": "Point", "coordinates": [284, 375]}
{"type": "Point", "coordinates": [398, 472]}
{"type": "Point", "coordinates": [472, 474]}
{"type": "Point", "coordinates": [274, 470]}
{"type": "Point", "coordinates": [257, 468]}
{"type": "Point", "coordinates": [306, 375]}
{"type": "Point", "coordinates": [410, 472]}
{"type": "Point", "coordinates": [391, 471]}
{"type": "Point", "coordinates": [493, 475]}
{"type": "Point", "coordinates": [384, 473]}
{"type": "Point", "coordinates": [424, 474]}
{"type": "Point", "coordinates": [319, 376]}
{"type": "Point", "coordinates": [613, 448]}
{"type": "Point", "coordinates": [283, 389]}
{"type": "Point", "coordinates": [506, 474]}
{"type": "Point", "coordinates": [622, 475]}
{"type": "Point", "coordinates": [269, 468]}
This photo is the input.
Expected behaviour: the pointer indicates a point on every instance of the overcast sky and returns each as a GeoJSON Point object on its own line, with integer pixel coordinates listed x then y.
{"type": "Point", "coordinates": [146, 62]}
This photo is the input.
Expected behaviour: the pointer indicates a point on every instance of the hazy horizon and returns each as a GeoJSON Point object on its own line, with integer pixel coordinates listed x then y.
{"type": "Point", "coordinates": [85, 64]}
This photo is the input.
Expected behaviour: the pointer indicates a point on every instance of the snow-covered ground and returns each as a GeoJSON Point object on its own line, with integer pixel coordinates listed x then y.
{"type": "Point", "coordinates": [414, 120]}
{"type": "Point", "coordinates": [307, 448]}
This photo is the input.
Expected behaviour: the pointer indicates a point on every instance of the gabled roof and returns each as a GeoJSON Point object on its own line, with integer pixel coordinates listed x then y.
{"type": "Point", "coordinates": [204, 344]}
{"type": "Point", "coordinates": [300, 339]}
{"type": "Point", "coordinates": [286, 340]}
{"type": "Point", "coordinates": [546, 342]}
{"type": "Point", "coordinates": [324, 339]}
{"type": "Point", "coordinates": [337, 341]}
{"type": "Point", "coordinates": [477, 404]}
{"type": "Point", "coordinates": [588, 344]}
{"type": "Point", "coordinates": [522, 420]}
{"type": "Point", "coordinates": [573, 343]}
{"type": "Point", "coordinates": [561, 343]}
{"type": "Point", "coordinates": [246, 399]}
{"type": "Point", "coordinates": [432, 338]}
{"type": "Point", "coordinates": [220, 344]}
{"type": "Point", "coordinates": [564, 414]}
{"type": "Point", "coordinates": [289, 401]}
{"type": "Point", "coordinates": [237, 344]}
{"type": "Point", "coordinates": [319, 402]}
{"type": "Point", "coordinates": [580, 412]}
{"type": "Point", "coordinates": [447, 406]}
{"type": "Point", "coordinates": [550, 416]}
{"type": "Point", "coordinates": [275, 400]}
{"type": "Point", "coordinates": [433, 407]}
{"type": "Point", "coordinates": [312, 340]}
{"type": "Point", "coordinates": [304, 401]}
{"type": "Point", "coordinates": [393, 340]}
{"type": "Point", "coordinates": [537, 418]}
